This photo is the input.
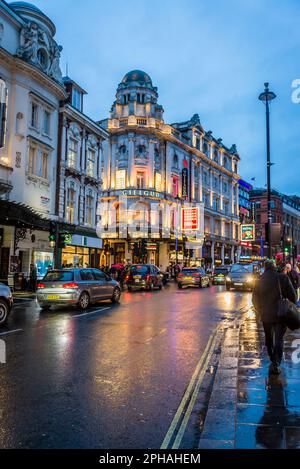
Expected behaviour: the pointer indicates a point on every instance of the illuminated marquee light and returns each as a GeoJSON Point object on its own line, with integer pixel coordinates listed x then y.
{"type": "Point", "coordinates": [158, 182]}
{"type": "Point", "coordinates": [190, 218]}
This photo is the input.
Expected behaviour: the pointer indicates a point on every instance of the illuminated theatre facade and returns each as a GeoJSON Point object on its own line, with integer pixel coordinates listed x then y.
{"type": "Point", "coordinates": [169, 192]}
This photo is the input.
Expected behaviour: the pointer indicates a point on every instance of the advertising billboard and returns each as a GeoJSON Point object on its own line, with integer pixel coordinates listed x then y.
{"type": "Point", "coordinates": [248, 232]}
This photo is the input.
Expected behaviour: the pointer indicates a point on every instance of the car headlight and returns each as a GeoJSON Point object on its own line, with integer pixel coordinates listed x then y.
{"type": "Point", "coordinates": [228, 279]}
{"type": "Point", "coordinates": [250, 278]}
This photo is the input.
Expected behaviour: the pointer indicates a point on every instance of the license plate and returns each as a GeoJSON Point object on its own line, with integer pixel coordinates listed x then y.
{"type": "Point", "coordinates": [136, 276]}
{"type": "Point", "coordinates": [238, 284]}
{"type": "Point", "coordinates": [188, 278]}
{"type": "Point", "coordinates": [137, 280]}
{"type": "Point", "coordinates": [52, 297]}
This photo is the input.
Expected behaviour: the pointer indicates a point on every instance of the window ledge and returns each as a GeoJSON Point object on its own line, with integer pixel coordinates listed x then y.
{"type": "Point", "coordinates": [36, 178]}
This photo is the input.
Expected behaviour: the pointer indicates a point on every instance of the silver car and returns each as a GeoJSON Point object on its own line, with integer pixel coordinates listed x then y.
{"type": "Point", "coordinates": [78, 287]}
{"type": "Point", "coordinates": [6, 303]}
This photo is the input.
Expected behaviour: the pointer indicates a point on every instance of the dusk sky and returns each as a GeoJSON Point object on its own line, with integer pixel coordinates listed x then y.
{"type": "Point", "coordinates": [209, 57]}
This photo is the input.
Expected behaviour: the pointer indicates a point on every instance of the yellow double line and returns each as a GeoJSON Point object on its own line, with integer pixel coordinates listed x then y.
{"type": "Point", "coordinates": [183, 413]}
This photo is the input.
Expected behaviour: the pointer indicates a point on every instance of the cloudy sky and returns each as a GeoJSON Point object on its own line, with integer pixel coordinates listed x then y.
{"type": "Point", "coordinates": [209, 57]}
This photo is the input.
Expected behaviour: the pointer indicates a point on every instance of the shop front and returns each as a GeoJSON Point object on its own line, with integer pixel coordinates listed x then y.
{"type": "Point", "coordinates": [83, 251]}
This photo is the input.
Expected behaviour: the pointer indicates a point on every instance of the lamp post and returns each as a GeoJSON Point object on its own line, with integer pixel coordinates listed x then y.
{"type": "Point", "coordinates": [266, 97]}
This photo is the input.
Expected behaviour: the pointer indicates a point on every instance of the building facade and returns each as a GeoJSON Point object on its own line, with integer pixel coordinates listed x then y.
{"type": "Point", "coordinates": [79, 172]}
{"type": "Point", "coordinates": [151, 170]}
{"type": "Point", "coordinates": [31, 89]}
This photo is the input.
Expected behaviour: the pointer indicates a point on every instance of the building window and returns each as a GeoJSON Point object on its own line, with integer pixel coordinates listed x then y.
{"type": "Point", "coordinates": [71, 203]}
{"type": "Point", "coordinates": [34, 115]}
{"type": "Point", "coordinates": [158, 182]}
{"type": "Point", "coordinates": [141, 98]}
{"type": "Point", "coordinates": [76, 99]}
{"type": "Point", "coordinates": [175, 186]}
{"type": "Point", "coordinates": [72, 153]}
{"type": "Point", "coordinates": [140, 179]}
{"type": "Point", "coordinates": [46, 123]}
{"type": "Point", "coordinates": [175, 161]}
{"type": "Point", "coordinates": [216, 156]}
{"type": "Point", "coordinates": [89, 208]}
{"type": "Point", "coordinates": [225, 162]}
{"type": "Point", "coordinates": [3, 112]}
{"type": "Point", "coordinates": [32, 166]}
{"type": "Point", "coordinates": [120, 179]}
{"type": "Point", "coordinates": [198, 143]}
{"type": "Point", "coordinates": [44, 169]}
{"type": "Point", "coordinates": [90, 162]}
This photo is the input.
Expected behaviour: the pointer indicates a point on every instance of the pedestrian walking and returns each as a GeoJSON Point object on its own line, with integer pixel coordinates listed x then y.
{"type": "Point", "coordinates": [266, 296]}
{"type": "Point", "coordinates": [294, 277]}
{"type": "Point", "coordinates": [33, 278]}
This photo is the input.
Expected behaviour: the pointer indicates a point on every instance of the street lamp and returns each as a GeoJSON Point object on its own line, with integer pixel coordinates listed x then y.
{"type": "Point", "coordinates": [266, 97]}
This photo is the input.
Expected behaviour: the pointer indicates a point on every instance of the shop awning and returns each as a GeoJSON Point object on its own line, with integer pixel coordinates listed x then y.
{"type": "Point", "coordinates": [21, 215]}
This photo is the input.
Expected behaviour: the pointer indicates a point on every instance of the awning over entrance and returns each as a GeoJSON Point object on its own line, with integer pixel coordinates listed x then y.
{"type": "Point", "coordinates": [21, 215]}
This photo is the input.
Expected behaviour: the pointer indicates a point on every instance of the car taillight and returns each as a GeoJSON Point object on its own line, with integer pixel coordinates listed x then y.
{"type": "Point", "coordinates": [148, 278]}
{"type": "Point", "coordinates": [127, 277]}
{"type": "Point", "coordinates": [180, 275]}
{"type": "Point", "coordinates": [40, 285]}
{"type": "Point", "coordinates": [70, 285]}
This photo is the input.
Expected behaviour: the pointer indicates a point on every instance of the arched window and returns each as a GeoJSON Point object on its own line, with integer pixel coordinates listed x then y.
{"type": "Point", "coordinates": [71, 202]}
{"type": "Point", "coordinates": [175, 161]}
{"type": "Point", "coordinates": [90, 208]}
{"type": "Point", "coordinates": [3, 111]}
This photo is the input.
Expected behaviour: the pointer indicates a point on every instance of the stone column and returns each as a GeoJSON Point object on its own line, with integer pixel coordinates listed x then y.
{"type": "Point", "coordinates": [223, 253]}
{"type": "Point", "coordinates": [232, 253]}
{"type": "Point", "coordinates": [83, 150]}
{"type": "Point", "coordinates": [151, 164]}
{"type": "Point", "coordinates": [192, 179]}
{"type": "Point", "coordinates": [212, 252]}
{"type": "Point", "coordinates": [201, 183]}
{"type": "Point", "coordinates": [131, 176]}
{"type": "Point", "coordinates": [113, 164]}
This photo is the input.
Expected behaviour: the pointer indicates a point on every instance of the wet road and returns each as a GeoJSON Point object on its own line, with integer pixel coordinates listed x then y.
{"type": "Point", "coordinates": [111, 377]}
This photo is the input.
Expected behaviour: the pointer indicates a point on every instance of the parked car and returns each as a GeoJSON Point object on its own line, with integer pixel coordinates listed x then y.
{"type": "Point", "coordinates": [6, 303]}
{"type": "Point", "coordinates": [141, 276]}
{"type": "Point", "coordinates": [242, 276]}
{"type": "Point", "coordinates": [219, 274]}
{"type": "Point", "coordinates": [79, 287]}
{"type": "Point", "coordinates": [193, 277]}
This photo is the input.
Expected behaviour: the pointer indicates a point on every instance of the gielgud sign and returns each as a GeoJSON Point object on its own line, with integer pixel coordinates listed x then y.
{"type": "Point", "coordinates": [248, 232]}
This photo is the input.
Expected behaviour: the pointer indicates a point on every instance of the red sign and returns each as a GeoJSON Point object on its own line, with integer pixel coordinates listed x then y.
{"type": "Point", "coordinates": [190, 218]}
{"type": "Point", "coordinates": [247, 245]}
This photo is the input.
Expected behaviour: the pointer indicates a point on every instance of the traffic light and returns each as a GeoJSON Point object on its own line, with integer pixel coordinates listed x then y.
{"type": "Point", "coordinates": [107, 249]}
{"type": "Point", "coordinates": [52, 233]}
{"type": "Point", "coordinates": [286, 250]}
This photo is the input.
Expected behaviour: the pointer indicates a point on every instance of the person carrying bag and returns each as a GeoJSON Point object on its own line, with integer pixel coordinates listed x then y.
{"type": "Point", "coordinates": [274, 307]}
{"type": "Point", "coordinates": [288, 312]}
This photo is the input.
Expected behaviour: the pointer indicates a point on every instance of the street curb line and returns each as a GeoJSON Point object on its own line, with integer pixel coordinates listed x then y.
{"type": "Point", "coordinates": [189, 392]}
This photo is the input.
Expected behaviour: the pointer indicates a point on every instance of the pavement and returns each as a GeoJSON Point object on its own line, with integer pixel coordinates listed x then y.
{"type": "Point", "coordinates": [249, 408]}
{"type": "Point", "coordinates": [163, 369]}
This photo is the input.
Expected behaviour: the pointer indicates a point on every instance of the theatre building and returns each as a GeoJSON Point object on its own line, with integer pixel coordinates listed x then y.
{"type": "Point", "coordinates": [169, 191]}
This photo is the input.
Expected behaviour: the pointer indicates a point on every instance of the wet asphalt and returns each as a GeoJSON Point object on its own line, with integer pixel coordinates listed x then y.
{"type": "Point", "coordinates": [110, 377]}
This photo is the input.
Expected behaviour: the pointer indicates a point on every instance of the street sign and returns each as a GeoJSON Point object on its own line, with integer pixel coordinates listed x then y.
{"type": "Point", "coordinates": [248, 232]}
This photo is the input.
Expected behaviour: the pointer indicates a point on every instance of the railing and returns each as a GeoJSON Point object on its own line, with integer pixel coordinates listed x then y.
{"type": "Point", "coordinates": [123, 122]}
{"type": "Point", "coordinates": [141, 121]}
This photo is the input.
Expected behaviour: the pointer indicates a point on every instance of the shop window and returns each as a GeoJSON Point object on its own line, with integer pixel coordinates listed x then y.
{"type": "Point", "coordinates": [32, 160]}
{"type": "Point", "coordinates": [175, 186]}
{"type": "Point", "coordinates": [72, 153]}
{"type": "Point", "coordinates": [90, 163]}
{"type": "Point", "coordinates": [34, 115]}
{"type": "Point", "coordinates": [140, 179]}
{"type": "Point", "coordinates": [158, 182]}
{"type": "Point", "coordinates": [71, 203]}
{"type": "Point", "coordinates": [3, 112]}
{"type": "Point", "coordinates": [89, 208]}
{"type": "Point", "coordinates": [121, 179]}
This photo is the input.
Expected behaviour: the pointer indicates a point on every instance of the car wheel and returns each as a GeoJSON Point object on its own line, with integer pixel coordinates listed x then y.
{"type": "Point", "coordinates": [179, 285]}
{"type": "Point", "coordinates": [45, 307]}
{"type": "Point", "coordinates": [160, 286]}
{"type": "Point", "coordinates": [201, 284]}
{"type": "Point", "coordinates": [84, 301]}
{"type": "Point", "coordinates": [208, 285]}
{"type": "Point", "coordinates": [116, 295]}
{"type": "Point", "coordinates": [3, 312]}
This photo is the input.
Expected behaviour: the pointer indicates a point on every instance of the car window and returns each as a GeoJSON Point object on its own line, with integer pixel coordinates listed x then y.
{"type": "Point", "coordinates": [98, 275]}
{"type": "Point", "coordinates": [86, 275]}
{"type": "Point", "coordinates": [221, 271]}
{"type": "Point", "coordinates": [241, 268]}
{"type": "Point", "coordinates": [189, 271]}
{"type": "Point", "coordinates": [140, 269]}
{"type": "Point", "coordinates": [59, 275]}
{"type": "Point", "coordinates": [202, 271]}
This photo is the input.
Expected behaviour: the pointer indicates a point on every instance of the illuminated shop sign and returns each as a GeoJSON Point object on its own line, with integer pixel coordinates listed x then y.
{"type": "Point", "coordinates": [190, 218]}
{"type": "Point", "coordinates": [247, 232]}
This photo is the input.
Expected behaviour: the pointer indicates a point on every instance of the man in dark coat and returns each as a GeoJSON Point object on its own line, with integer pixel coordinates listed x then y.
{"type": "Point", "coordinates": [265, 300]}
